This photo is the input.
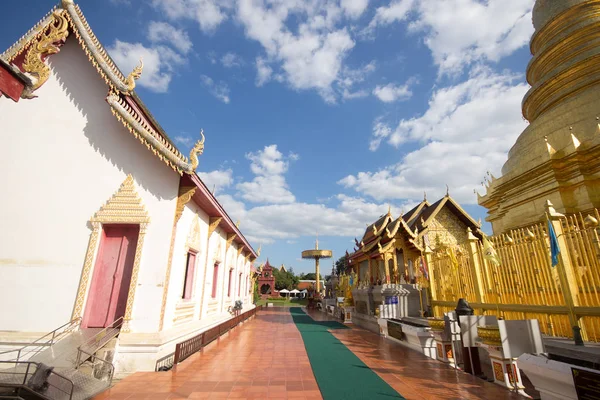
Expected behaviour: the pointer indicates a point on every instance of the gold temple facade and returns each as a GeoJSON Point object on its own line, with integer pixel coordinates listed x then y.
{"type": "Point", "coordinates": [392, 249]}
{"type": "Point", "coordinates": [557, 157]}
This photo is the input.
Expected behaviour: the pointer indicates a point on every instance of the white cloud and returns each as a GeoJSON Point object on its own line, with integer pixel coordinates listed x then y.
{"type": "Point", "coordinates": [397, 10]}
{"type": "Point", "coordinates": [231, 60]}
{"type": "Point", "coordinates": [467, 130]}
{"type": "Point", "coordinates": [184, 140]}
{"type": "Point", "coordinates": [263, 71]}
{"type": "Point", "coordinates": [158, 63]}
{"type": "Point", "coordinates": [354, 8]}
{"type": "Point", "coordinates": [268, 223]}
{"type": "Point", "coordinates": [162, 32]}
{"type": "Point", "coordinates": [220, 90]}
{"type": "Point", "coordinates": [390, 92]}
{"type": "Point", "coordinates": [218, 179]}
{"type": "Point", "coordinates": [462, 32]}
{"type": "Point", "coordinates": [308, 57]}
{"type": "Point", "coordinates": [208, 13]}
{"type": "Point", "coordinates": [269, 185]}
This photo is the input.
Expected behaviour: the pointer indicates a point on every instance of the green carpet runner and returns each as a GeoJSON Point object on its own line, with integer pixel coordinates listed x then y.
{"type": "Point", "coordinates": [340, 374]}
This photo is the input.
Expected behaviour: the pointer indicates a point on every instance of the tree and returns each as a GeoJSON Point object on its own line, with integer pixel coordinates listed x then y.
{"type": "Point", "coordinates": [341, 265]}
{"type": "Point", "coordinates": [284, 279]}
{"type": "Point", "coordinates": [308, 277]}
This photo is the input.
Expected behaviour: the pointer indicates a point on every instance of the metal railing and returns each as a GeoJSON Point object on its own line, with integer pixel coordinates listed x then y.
{"type": "Point", "coordinates": [58, 386]}
{"type": "Point", "coordinates": [43, 342]}
{"type": "Point", "coordinates": [194, 344]}
{"type": "Point", "coordinates": [99, 340]}
{"type": "Point", "coordinates": [105, 373]}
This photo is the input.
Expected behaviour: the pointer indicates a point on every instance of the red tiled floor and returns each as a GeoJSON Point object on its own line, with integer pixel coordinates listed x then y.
{"type": "Point", "coordinates": [262, 359]}
{"type": "Point", "coordinates": [266, 359]}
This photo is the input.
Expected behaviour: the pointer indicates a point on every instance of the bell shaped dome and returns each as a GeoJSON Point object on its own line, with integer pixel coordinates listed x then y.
{"type": "Point", "coordinates": [544, 11]}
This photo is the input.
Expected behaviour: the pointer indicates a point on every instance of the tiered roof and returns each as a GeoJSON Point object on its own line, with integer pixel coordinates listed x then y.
{"type": "Point", "coordinates": [380, 236]}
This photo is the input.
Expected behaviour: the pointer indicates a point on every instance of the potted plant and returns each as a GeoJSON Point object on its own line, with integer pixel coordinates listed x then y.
{"type": "Point", "coordinates": [238, 307]}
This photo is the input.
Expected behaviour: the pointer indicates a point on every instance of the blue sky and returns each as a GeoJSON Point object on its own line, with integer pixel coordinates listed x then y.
{"type": "Point", "coordinates": [319, 114]}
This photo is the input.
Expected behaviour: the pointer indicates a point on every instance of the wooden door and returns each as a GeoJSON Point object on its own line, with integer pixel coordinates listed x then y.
{"type": "Point", "coordinates": [107, 298]}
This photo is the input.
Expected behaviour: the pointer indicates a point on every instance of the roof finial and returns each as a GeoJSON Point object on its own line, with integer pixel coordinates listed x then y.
{"type": "Point", "coordinates": [134, 76]}
{"type": "Point", "coordinates": [317, 242]}
{"type": "Point", "coordinates": [389, 209]}
{"type": "Point", "coordinates": [447, 190]}
{"type": "Point", "coordinates": [424, 196]}
{"type": "Point", "coordinates": [237, 224]}
{"type": "Point", "coordinates": [196, 151]}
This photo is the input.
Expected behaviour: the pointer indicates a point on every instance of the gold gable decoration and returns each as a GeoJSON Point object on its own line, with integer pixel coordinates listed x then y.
{"type": "Point", "coordinates": [125, 206]}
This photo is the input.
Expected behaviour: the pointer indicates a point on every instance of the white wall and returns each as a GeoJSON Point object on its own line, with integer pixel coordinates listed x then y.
{"type": "Point", "coordinates": [64, 156]}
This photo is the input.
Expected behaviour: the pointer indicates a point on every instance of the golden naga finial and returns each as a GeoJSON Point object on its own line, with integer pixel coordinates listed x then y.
{"type": "Point", "coordinates": [237, 224]}
{"type": "Point", "coordinates": [45, 45]}
{"type": "Point", "coordinates": [196, 151]}
{"type": "Point", "coordinates": [259, 249]}
{"type": "Point", "coordinates": [389, 209]}
{"type": "Point", "coordinates": [134, 76]}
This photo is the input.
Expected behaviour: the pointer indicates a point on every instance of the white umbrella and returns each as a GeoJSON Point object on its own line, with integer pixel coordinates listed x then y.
{"type": "Point", "coordinates": [295, 291]}
{"type": "Point", "coordinates": [284, 291]}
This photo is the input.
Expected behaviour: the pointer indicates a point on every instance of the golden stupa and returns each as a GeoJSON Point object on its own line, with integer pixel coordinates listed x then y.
{"type": "Point", "coordinates": [557, 157]}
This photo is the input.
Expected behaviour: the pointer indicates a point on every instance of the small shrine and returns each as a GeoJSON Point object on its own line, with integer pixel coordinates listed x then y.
{"type": "Point", "coordinates": [266, 281]}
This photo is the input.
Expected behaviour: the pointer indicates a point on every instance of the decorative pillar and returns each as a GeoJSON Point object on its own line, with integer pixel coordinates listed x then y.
{"type": "Point", "coordinates": [474, 261]}
{"type": "Point", "coordinates": [318, 280]}
{"type": "Point", "coordinates": [566, 274]}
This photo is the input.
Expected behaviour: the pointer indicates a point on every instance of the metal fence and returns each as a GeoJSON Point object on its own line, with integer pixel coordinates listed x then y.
{"type": "Point", "coordinates": [526, 285]}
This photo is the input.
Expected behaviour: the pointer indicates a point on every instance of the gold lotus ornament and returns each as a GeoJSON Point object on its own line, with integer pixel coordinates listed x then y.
{"type": "Point", "coordinates": [490, 335]}
{"type": "Point", "coordinates": [437, 324]}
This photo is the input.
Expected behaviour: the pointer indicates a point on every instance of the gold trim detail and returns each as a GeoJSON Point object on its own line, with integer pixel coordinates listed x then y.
{"type": "Point", "coordinates": [230, 237]}
{"type": "Point", "coordinates": [44, 46]}
{"type": "Point", "coordinates": [239, 250]}
{"type": "Point", "coordinates": [185, 195]}
{"type": "Point", "coordinates": [87, 266]}
{"type": "Point", "coordinates": [213, 223]}
{"type": "Point", "coordinates": [124, 207]}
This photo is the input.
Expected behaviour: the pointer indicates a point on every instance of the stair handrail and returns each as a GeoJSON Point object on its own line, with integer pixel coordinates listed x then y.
{"type": "Point", "coordinates": [96, 339]}
{"type": "Point", "coordinates": [70, 325]}
{"type": "Point", "coordinates": [106, 362]}
{"type": "Point", "coordinates": [27, 373]}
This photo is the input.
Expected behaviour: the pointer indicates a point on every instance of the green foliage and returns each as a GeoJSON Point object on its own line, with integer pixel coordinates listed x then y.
{"type": "Point", "coordinates": [308, 277]}
{"type": "Point", "coordinates": [341, 265]}
{"type": "Point", "coordinates": [285, 279]}
{"type": "Point", "coordinates": [256, 296]}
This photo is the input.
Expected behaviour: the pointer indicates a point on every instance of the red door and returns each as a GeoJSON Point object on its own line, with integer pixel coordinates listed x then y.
{"type": "Point", "coordinates": [107, 298]}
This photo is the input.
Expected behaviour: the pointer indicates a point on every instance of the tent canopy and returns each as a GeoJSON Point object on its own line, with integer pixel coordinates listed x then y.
{"type": "Point", "coordinates": [304, 291]}
{"type": "Point", "coordinates": [294, 291]}
{"type": "Point", "coordinates": [284, 291]}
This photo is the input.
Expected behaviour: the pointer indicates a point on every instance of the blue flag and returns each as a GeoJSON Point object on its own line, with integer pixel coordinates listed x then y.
{"type": "Point", "coordinates": [554, 248]}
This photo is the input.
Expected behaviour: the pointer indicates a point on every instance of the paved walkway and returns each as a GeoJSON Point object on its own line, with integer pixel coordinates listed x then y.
{"type": "Point", "coordinates": [265, 359]}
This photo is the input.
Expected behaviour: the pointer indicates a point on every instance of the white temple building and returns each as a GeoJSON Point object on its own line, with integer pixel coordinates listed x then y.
{"type": "Point", "coordinates": [104, 221]}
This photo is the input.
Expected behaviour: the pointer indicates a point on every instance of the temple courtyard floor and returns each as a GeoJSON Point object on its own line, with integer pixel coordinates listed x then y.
{"type": "Point", "coordinates": [285, 354]}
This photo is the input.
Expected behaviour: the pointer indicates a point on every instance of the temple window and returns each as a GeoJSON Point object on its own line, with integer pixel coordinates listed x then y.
{"type": "Point", "coordinates": [240, 284]}
{"type": "Point", "coordinates": [188, 282]}
{"type": "Point", "coordinates": [229, 283]}
{"type": "Point", "coordinates": [214, 283]}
